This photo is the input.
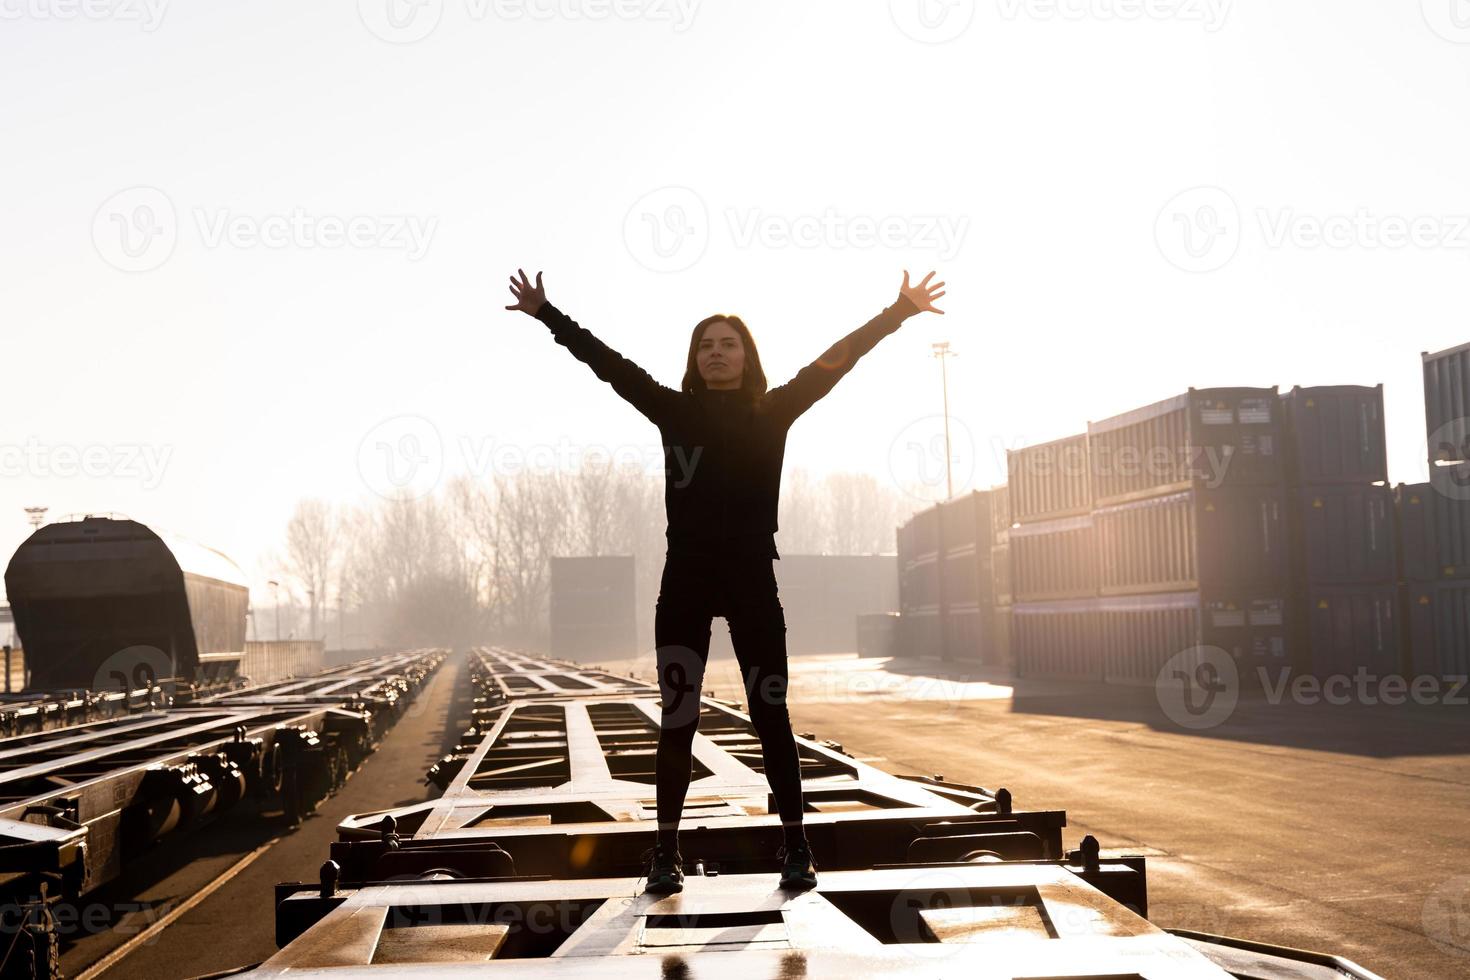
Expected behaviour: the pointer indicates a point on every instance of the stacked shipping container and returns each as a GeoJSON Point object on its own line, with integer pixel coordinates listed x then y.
{"type": "Point", "coordinates": [1053, 566]}
{"type": "Point", "coordinates": [947, 598]}
{"type": "Point", "coordinates": [1174, 536]}
{"type": "Point", "coordinates": [1192, 533]}
{"type": "Point", "coordinates": [1434, 525]}
{"type": "Point", "coordinates": [1344, 552]}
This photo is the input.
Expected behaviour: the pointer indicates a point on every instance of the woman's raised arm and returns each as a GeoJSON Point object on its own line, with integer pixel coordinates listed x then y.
{"type": "Point", "coordinates": [812, 382]}
{"type": "Point", "coordinates": [629, 380]}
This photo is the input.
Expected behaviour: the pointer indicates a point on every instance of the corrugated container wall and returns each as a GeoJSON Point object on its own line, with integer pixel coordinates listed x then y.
{"type": "Point", "coordinates": [1000, 511]}
{"type": "Point", "coordinates": [1446, 402]}
{"type": "Point", "coordinates": [1054, 559]}
{"type": "Point", "coordinates": [1439, 629]}
{"type": "Point", "coordinates": [1418, 551]}
{"type": "Point", "coordinates": [1049, 480]}
{"type": "Point", "coordinates": [1450, 498]}
{"type": "Point", "coordinates": [1335, 434]}
{"type": "Point", "coordinates": [1193, 539]}
{"type": "Point", "coordinates": [1056, 639]}
{"type": "Point", "coordinates": [1354, 626]}
{"type": "Point", "coordinates": [1344, 534]}
{"type": "Point", "coordinates": [1207, 437]}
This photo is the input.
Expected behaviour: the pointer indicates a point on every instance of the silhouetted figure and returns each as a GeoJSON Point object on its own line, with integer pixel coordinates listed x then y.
{"type": "Point", "coordinates": [724, 438]}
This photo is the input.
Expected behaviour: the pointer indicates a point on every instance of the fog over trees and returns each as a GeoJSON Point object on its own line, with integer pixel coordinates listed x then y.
{"type": "Point", "coordinates": [471, 562]}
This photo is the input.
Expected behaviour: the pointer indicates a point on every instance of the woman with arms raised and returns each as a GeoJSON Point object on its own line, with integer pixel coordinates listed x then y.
{"type": "Point", "coordinates": [724, 438]}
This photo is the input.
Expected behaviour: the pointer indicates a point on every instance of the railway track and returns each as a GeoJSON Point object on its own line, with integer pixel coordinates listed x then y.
{"type": "Point", "coordinates": [80, 802]}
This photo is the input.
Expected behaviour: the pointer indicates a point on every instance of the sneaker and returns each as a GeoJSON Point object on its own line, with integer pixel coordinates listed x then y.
{"type": "Point", "coordinates": [798, 870]}
{"type": "Point", "coordinates": [665, 870]}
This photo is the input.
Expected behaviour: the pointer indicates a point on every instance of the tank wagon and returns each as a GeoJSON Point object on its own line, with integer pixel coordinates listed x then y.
{"type": "Point", "coordinates": [108, 603]}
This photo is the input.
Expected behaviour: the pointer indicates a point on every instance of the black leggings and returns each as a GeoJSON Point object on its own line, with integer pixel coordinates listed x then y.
{"type": "Point", "coordinates": [743, 590]}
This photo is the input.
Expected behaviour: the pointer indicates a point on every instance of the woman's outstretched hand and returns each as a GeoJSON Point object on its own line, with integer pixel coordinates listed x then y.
{"type": "Point", "coordinates": [922, 295]}
{"type": "Point", "coordinates": [529, 298]}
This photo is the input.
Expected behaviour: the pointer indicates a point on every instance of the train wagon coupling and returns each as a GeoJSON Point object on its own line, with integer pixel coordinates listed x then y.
{"type": "Point", "coordinates": [79, 802]}
{"type": "Point", "coordinates": [528, 864]}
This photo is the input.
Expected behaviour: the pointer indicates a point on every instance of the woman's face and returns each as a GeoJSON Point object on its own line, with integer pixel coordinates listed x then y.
{"type": "Point", "coordinates": [721, 356]}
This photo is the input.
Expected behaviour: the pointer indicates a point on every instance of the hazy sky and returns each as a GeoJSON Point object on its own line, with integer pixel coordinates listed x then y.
{"type": "Point", "coordinates": [257, 251]}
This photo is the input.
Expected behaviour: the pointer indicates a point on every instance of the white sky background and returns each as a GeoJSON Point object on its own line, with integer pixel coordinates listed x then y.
{"type": "Point", "coordinates": [1052, 138]}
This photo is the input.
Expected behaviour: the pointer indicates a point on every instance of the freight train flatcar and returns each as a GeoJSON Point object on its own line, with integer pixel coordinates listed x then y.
{"type": "Point", "coordinates": [105, 603]}
{"type": "Point", "coordinates": [529, 865]}
{"type": "Point", "coordinates": [77, 803]}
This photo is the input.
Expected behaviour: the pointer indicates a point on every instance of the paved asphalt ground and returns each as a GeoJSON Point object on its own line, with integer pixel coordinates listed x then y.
{"type": "Point", "coordinates": [1339, 828]}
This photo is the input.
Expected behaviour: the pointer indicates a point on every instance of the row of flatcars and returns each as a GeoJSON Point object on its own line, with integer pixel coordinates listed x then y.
{"type": "Point", "coordinates": [529, 863]}
{"type": "Point", "coordinates": [139, 722]}
{"type": "Point", "coordinates": [1256, 522]}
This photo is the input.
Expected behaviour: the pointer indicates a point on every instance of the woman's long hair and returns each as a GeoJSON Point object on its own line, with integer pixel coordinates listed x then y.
{"type": "Point", "coordinates": [752, 382]}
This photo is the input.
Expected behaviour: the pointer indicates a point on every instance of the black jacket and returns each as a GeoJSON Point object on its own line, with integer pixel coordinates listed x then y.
{"type": "Point", "coordinates": [722, 451]}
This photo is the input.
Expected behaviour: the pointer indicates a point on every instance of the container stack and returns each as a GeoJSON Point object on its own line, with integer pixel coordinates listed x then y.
{"type": "Point", "coordinates": [1190, 513]}
{"type": "Point", "coordinates": [1052, 551]}
{"type": "Point", "coordinates": [966, 581]}
{"type": "Point", "coordinates": [947, 604]}
{"type": "Point", "coordinates": [1434, 525]}
{"type": "Point", "coordinates": [918, 585]}
{"type": "Point", "coordinates": [1000, 572]}
{"type": "Point", "coordinates": [1345, 594]}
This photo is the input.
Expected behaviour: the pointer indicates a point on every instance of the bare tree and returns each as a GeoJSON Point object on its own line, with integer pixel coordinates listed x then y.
{"type": "Point", "coordinates": [311, 552]}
